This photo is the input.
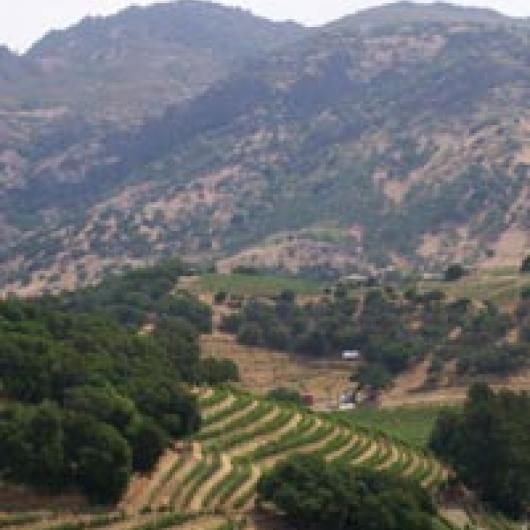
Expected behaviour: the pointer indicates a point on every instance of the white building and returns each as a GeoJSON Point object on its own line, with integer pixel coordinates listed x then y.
{"type": "Point", "coordinates": [351, 355]}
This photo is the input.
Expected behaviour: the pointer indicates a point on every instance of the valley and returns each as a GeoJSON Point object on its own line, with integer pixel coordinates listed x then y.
{"type": "Point", "coordinates": [261, 276]}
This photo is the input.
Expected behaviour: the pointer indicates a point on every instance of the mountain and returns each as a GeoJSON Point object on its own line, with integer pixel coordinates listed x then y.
{"type": "Point", "coordinates": [360, 145]}
{"type": "Point", "coordinates": [143, 58]}
{"type": "Point", "coordinates": [11, 65]}
{"type": "Point", "coordinates": [402, 13]}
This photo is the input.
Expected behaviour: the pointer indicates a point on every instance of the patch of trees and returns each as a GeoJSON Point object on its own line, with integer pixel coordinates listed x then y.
{"type": "Point", "coordinates": [488, 445]}
{"type": "Point", "coordinates": [138, 295]}
{"type": "Point", "coordinates": [319, 496]}
{"type": "Point", "coordinates": [482, 346]}
{"type": "Point", "coordinates": [392, 330]}
{"type": "Point", "coordinates": [91, 398]}
{"type": "Point", "coordinates": [381, 330]}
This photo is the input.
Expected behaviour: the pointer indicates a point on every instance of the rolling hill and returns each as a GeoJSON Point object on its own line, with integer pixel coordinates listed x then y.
{"type": "Point", "coordinates": [395, 137]}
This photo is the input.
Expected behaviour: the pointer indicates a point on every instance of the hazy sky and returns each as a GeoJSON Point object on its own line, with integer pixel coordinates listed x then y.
{"type": "Point", "coordinates": [24, 21]}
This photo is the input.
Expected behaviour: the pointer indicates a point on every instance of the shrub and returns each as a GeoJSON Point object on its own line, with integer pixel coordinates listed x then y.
{"type": "Point", "coordinates": [285, 395]}
{"type": "Point", "coordinates": [454, 272]}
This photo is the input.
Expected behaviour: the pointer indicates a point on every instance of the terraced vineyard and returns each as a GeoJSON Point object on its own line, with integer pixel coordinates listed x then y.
{"type": "Point", "coordinates": [217, 471]}
{"type": "Point", "coordinates": [209, 482]}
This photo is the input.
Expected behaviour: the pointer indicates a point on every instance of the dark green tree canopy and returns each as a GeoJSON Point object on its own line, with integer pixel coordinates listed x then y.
{"type": "Point", "coordinates": [318, 496]}
{"type": "Point", "coordinates": [90, 397]}
{"type": "Point", "coordinates": [488, 444]}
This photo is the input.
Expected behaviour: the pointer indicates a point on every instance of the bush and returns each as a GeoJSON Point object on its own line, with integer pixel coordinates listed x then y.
{"type": "Point", "coordinates": [285, 395]}
{"type": "Point", "coordinates": [220, 297]}
{"type": "Point", "coordinates": [250, 335]}
{"type": "Point", "coordinates": [525, 266]}
{"type": "Point", "coordinates": [215, 371]}
{"type": "Point", "coordinates": [454, 272]}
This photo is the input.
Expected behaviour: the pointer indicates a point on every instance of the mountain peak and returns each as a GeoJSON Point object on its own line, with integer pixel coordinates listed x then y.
{"type": "Point", "coordinates": [410, 12]}
{"type": "Point", "coordinates": [191, 23]}
{"type": "Point", "coordinates": [11, 65]}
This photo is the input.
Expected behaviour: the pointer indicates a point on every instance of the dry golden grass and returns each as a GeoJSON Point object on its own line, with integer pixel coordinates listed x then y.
{"type": "Point", "coordinates": [264, 369]}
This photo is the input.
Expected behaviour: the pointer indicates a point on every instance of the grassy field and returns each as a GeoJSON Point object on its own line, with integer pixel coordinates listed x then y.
{"type": "Point", "coordinates": [502, 285]}
{"type": "Point", "coordinates": [257, 285]}
{"type": "Point", "coordinates": [412, 425]}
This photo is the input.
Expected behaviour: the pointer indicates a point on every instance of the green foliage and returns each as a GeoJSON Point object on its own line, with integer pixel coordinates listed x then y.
{"type": "Point", "coordinates": [488, 444]}
{"type": "Point", "coordinates": [454, 272]}
{"type": "Point", "coordinates": [215, 371]}
{"type": "Point", "coordinates": [392, 331]}
{"type": "Point", "coordinates": [313, 494]}
{"type": "Point", "coordinates": [98, 399]}
{"type": "Point", "coordinates": [101, 459]}
{"type": "Point", "coordinates": [32, 445]}
{"type": "Point", "coordinates": [148, 441]}
{"type": "Point", "coordinates": [374, 376]}
{"type": "Point", "coordinates": [525, 266]}
{"type": "Point", "coordinates": [285, 395]}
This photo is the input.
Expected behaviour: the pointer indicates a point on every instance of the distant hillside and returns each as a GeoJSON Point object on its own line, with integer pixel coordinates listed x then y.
{"type": "Point", "coordinates": [360, 145]}
{"type": "Point", "coordinates": [10, 65]}
{"type": "Point", "coordinates": [402, 13]}
{"type": "Point", "coordinates": [143, 58]}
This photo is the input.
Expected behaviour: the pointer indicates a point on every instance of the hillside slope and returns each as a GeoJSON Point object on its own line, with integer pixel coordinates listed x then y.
{"type": "Point", "coordinates": [363, 144]}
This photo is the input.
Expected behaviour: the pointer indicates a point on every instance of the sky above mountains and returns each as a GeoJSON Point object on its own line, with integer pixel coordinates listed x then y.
{"type": "Point", "coordinates": [22, 22]}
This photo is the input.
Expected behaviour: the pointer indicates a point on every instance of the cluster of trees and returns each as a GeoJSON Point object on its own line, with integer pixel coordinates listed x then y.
{"type": "Point", "coordinates": [318, 329]}
{"type": "Point", "coordinates": [381, 328]}
{"type": "Point", "coordinates": [482, 346]}
{"type": "Point", "coordinates": [316, 495]}
{"type": "Point", "coordinates": [488, 445]}
{"type": "Point", "coordinates": [90, 399]}
{"type": "Point", "coordinates": [393, 331]}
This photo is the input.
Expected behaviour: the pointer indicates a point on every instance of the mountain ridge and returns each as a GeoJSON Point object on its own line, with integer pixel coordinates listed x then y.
{"type": "Point", "coordinates": [407, 11]}
{"type": "Point", "coordinates": [345, 150]}
{"type": "Point", "coordinates": [169, 52]}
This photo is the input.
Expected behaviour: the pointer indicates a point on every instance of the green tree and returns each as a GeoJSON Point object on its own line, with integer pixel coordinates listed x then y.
{"type": "Point", "coordinates": [488, 444]}
{"type": "Point", "coordinates": [101, 458]}
{"type": "Point", "coordinates": [104, 403]}
{"type": "Point", "coordinates": [148, 441]}
{"type": "Point", "coordinates": [454, 272]}
{"type": "Point", "coordinates": [31, 445]}
{"type": "Point", "coordinates": [374, 376]}
{"type": "Point", "coordinates": [250, 334]}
